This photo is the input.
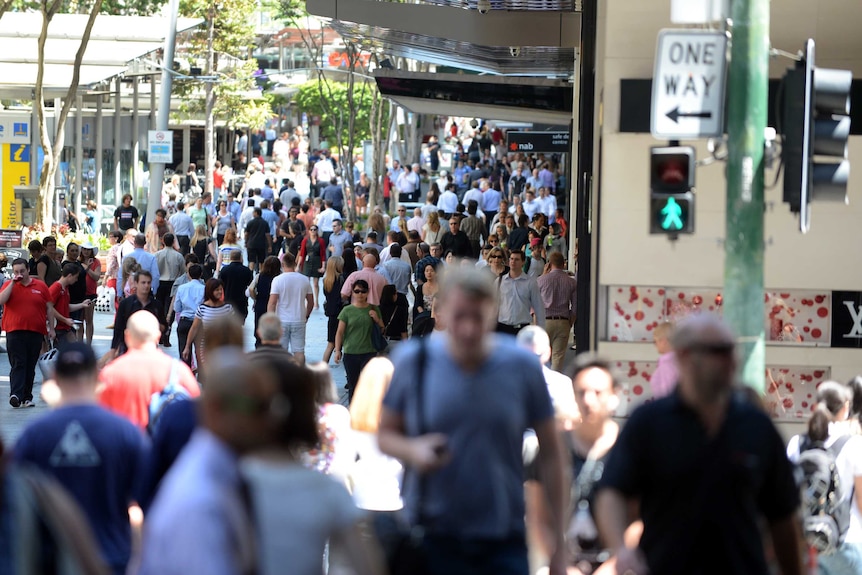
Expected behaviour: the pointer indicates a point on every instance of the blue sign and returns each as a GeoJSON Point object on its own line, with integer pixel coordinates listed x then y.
{"type": "Point", "coordinates": [19, 129]}
{"type": "Point", "coordinates": [19, 153]}
{"type": "Point", "coordinates": [2, 131]}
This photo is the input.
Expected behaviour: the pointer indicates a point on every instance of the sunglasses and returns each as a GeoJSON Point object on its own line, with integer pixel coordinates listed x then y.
{"type": "Point", "coordinates": [360, 291]}
{"type": "Point", "coordinates": [495, 257]}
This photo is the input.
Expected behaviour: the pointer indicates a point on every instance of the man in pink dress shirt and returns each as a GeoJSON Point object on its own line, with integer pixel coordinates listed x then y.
{"type": "Point", "coordinates": [663, 379]}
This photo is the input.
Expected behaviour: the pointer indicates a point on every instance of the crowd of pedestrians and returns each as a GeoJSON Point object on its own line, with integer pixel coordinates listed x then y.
{"type": "Point", "coordinates": [468, 438]}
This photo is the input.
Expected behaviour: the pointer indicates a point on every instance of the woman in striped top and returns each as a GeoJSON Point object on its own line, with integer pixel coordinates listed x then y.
{"type": "Point", "coordinates": [212, 308]}
{"type": "Point", "coordinates": [230, 244]}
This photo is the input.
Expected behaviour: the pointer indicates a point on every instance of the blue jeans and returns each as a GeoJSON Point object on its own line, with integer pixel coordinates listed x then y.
{"type": "Point", "coordinates": [846, 561]}
{"type": "Point", "coordinates": [451, 556]}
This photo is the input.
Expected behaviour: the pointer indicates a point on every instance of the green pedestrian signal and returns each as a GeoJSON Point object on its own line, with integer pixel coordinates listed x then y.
{"type": "Point", "coordinates": [672, 214]}
{"type": "Point", "coordinates": [671, 184]}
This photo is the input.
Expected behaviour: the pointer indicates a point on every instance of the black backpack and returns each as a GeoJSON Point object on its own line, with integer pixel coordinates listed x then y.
{"type": "Point", "coordinates": [825, 505]}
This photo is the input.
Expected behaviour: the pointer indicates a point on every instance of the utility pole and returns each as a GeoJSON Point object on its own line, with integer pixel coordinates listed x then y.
{"type": "Point", "coordinates": [748, 78]}
{"type": "Point", "coordinates": [157, 170]}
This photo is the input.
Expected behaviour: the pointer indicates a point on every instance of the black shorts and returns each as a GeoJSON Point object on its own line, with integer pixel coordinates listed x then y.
{"type": "Point", "coordinates": [256, 255]}
{"type": "Point", "coordinates": [331, 328]}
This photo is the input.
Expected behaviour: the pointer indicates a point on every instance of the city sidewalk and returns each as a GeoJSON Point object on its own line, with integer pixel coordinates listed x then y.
{"type": "Point", "coordinates": [13, 421]}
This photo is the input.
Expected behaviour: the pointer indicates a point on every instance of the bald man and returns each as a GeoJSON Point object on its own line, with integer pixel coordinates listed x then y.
{"type": "Point", "coordinates": [707, 467]}
{"type": "Point", "coordinates": [376, 282]}
{"type": "Point", "coordinates": [129, 382]}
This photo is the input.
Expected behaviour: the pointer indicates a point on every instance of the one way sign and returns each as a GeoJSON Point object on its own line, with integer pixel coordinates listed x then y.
{"type": "Point", "coordinates": [688, 86]}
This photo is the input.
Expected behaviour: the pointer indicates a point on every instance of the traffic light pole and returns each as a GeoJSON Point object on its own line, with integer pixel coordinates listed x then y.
{"type": "Point", "coordinates": [748, 78]}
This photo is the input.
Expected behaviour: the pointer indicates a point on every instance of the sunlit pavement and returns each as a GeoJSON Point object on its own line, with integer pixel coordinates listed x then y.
{"type": "Point", "coordinates": [13, 421]}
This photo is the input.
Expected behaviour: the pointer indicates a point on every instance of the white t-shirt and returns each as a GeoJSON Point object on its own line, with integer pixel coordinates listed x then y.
{"type": "Point", "coordinates": [375, 477]}
{"type": "Point", "coordinates": [849, 463]}
{"type": "Point", "coordinates": [292, 289]}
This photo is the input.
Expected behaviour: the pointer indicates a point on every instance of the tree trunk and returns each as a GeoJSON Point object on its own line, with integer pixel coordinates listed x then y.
{"type": "Point", "coordinates": [210, 101]}
{"type": "Point", "coordinates": [52, 152]}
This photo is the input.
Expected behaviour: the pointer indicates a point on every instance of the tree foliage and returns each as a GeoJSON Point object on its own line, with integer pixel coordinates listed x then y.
{"type": "Point", "coordinates": [238, 100]}
{"type": "Point", "coordinates": [308, 99]}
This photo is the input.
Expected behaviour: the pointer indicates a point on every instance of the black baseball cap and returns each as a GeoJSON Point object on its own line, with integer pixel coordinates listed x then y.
{"type": "Point", "coordinates": [75, 359]}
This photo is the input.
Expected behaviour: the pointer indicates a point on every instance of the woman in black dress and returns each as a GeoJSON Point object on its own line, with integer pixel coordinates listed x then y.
{"type": "Point", "coordinates": [260, 288]}
{"type": "Point", "coordinates": [312, 254]}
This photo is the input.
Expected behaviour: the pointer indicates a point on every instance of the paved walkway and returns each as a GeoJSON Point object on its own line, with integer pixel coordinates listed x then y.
{"type": "Point", "coordinates": [13, 421]}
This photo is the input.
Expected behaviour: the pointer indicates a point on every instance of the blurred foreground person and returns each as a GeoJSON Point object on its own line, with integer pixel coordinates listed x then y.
{"type": "Point", "coordinates": [96, 455]}
{"type": "Point", "coordinates": [297, 510]}
{"type": "Point", "coordinates": [706, 465]}
{"type": "Point", "coordinates": [466, 488]}
{"type": "Point", "coordinates": [199, 522]}
{"type": "Point", "coordinates": [43, 529]}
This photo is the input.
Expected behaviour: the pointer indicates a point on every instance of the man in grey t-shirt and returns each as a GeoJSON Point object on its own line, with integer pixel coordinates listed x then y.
{"type": "Point", "coordinates": [479, 395]}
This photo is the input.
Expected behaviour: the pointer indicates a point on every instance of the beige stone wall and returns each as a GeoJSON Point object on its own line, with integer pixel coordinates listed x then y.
{"type": "Point", "coordinates": [825, 258]}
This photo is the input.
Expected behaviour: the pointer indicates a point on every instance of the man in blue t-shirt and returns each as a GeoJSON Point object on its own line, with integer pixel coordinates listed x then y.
{"type": "Point", "coordinates": [479, 394]}
{"type": "Point", "coordinates": [97, 456]}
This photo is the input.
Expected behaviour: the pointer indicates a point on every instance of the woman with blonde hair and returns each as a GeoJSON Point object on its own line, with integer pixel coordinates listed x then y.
{"type": "Point", "coordinates": [203, 246]}
{"type": "Point", "coordinates": [377, 223]}
{"type": "Point", "coordinates": [375, 478]}
{"type": "Point", "coordinates": [332, 303]}
{"type": "Point", "coordinates": [432, 231]}
{"type": "Point", "coordinates": [225, 248]}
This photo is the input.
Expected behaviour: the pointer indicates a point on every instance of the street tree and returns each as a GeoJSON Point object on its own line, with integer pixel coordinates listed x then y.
{"type": "Point", "coordinates": [52, 143]}
{"type": "Point", "coordinates": [228, 89]}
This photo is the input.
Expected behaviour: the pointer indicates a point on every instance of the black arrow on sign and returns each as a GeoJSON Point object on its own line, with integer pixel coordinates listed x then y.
{"type": "Point", "coordinates": [675, 114]}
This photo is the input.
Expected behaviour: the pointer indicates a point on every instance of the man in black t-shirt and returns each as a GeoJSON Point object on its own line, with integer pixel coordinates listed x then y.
{"type": "Point", "coordinates": [236, 279]}
{"type": "Point", "coordinates": [258, 242]}
{"type": "Point", "coordinates": [126, 216]}
{"type": "Point", "coordinates": [455, 240]}
{"type": "Point", "coordinates": [705, 466]}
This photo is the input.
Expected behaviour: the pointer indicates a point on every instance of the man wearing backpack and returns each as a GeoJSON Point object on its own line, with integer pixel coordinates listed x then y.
{"type": "Point", "coordinates": [96, 455]}
{"type": "Point", "coordinates": [705, 465]}
{"type": "Point", "coordinates": [829, 458]}
{"type": "Point", "coordinates": [130, 381]}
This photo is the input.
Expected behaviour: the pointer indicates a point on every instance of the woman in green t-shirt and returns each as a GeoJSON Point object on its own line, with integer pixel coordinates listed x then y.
{"type": "Point", "coordinates": [353, 338]}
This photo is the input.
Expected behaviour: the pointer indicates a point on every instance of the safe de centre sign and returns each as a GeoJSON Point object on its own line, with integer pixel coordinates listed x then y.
{"type": "Point", "coordinates": [688, 84]}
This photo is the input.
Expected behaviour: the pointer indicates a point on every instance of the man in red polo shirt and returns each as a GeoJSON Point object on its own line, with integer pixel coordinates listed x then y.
{"type": "Point", "coordinates": [59, 290]}
{"type": "Point", "coordinates": [26, 307]}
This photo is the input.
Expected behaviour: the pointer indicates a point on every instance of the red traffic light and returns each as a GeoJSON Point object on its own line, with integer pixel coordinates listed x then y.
{"type": "Point", "coordinates": [672, 169]}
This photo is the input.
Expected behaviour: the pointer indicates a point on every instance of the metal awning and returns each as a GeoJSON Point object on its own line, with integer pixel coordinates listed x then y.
{"type": "Point", "coordinates": [114, 42]}
{"type": "Point", "coordinates": [533, 100]}
{"type": "Point", "coordinates": [545, 40]}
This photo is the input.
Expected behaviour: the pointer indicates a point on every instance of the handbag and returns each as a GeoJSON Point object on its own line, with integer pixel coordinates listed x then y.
{"type": "Point", "coordinates": [378, 339]}
{"type": "Point", "coordinates": [105, 297]}
{"type": "Point", "coordinates": [405, 550]}
{"type": "Point", "coordinates": [47, 361]}
{"type": "Point", "coordinates": [378, 336]}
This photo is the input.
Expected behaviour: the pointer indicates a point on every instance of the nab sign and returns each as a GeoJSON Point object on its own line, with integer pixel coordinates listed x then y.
{"type": "Point", "coordinates": [538, 142]}
{"type": "Point", "coordinates": [688, 86]}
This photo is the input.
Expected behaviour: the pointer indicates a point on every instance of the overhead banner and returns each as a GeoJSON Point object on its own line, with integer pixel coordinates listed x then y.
{"type": "Point", "coordinates": [538, 142]}
{"type": "Point", "coordinates": [14, 171]}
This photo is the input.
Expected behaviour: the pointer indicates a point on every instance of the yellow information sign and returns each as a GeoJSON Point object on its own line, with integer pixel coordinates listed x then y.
{"type": "Point", "coordinates": [14, 171]}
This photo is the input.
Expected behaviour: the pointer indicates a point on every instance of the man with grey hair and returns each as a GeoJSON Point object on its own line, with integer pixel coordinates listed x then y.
{"type": "Point", "coordinates": [269, 331]}
{"type": "Point", "coordinates": [707, 466]}
{"type": "Point", "coordinates": [467, 452]}
{"type": "Point", "coordinates": [535, 339]}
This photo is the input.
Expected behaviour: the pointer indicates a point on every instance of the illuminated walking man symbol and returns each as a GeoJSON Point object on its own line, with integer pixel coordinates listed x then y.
{"type": "Point", "coordinates": [671, 212]}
